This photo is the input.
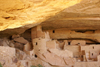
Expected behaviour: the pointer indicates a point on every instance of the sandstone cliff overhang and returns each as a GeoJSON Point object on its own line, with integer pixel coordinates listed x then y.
{"type": "Point", "coordinates": [29, 13]}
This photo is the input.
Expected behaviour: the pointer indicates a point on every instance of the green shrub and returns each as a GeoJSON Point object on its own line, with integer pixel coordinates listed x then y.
{"type": "Point", "coordinates": [33, 66]}
{"type": "Point", "coordinates": [40, 65]}
{"type": "Point", "coordinates": [37, 65]}
{"type": "Point", "coordinates": [0, 65]}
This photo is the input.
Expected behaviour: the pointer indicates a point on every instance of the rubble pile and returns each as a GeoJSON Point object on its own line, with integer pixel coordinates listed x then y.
{"type": "Point", "coordinates": [17, 52]}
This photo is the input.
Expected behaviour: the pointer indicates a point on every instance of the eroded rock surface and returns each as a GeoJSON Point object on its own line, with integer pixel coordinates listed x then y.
{"type": "Point", "coordinates": [28, 13]}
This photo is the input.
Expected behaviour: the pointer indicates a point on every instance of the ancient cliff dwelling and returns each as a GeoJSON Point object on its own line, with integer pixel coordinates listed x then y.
{"type": "Point", "coordinates": [49, 33]}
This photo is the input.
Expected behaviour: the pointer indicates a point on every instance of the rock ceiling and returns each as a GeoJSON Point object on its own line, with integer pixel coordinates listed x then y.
{"type": "Point", "coordinates": [19, 13]}
{"type": "Point", "coordinates": [24, 14]}
{"type": "Point", "coordinates": [82, 16]}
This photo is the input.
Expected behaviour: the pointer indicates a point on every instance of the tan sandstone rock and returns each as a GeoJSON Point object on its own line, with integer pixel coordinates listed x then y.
{"type": "Point", "coordinates": [18, 13]}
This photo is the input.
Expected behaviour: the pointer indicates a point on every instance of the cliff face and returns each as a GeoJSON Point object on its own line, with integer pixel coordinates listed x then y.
{"type": "Point", "coordinates": [29, 13]}
{"type": "Point", "coordinates": [82, 16]}
{"type": "Point", "coordinates": [19, 15]}
{"type": "Point", "coordinates": [65, 34]}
